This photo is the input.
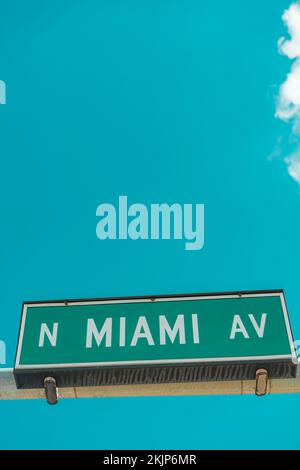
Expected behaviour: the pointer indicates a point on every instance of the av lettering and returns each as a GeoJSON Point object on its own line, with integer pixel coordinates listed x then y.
{"type": "Point", "coordinates": [158, 222]}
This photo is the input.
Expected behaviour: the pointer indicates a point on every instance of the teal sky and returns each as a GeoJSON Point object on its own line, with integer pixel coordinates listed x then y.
{"type": "Point", "coordinates": [162, 101]}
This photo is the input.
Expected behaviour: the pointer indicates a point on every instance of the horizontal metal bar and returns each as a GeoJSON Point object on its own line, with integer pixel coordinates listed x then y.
{"type": "Point", "coordinates": [152, 297]}
{"type": "Point", "coordinates": [8, 390]}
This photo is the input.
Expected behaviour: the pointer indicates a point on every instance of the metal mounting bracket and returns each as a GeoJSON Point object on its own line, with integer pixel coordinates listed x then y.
{"type": "Point", "coordinates": [51, 390]}
{"type": "Point", "coordinates": [261, 385]}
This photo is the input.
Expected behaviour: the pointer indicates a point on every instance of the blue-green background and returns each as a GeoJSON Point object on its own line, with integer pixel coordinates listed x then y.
{"type": "Point", "coordinates": [162, 101]}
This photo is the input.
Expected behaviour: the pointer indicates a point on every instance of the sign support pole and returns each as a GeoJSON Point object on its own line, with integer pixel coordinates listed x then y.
{"type": "Point", "coordinates": [9, 391]}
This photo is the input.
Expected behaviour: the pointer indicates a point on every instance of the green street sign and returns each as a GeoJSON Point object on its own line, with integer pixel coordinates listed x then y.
{"type": "Point", "coordinates": [150, 339]}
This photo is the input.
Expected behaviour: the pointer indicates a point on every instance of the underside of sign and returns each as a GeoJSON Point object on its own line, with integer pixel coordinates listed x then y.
{"type": "Point", "coordinates": [155, 340]}
{"type": "Point", "coordinates": [96, 376]}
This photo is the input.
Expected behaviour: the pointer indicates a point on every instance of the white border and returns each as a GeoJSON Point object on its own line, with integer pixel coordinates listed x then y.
{"type": "Point", "coordinates": [292, 356]}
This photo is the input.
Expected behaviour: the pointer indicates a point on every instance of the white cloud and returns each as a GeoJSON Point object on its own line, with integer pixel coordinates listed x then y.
{"type": "Point", "coordinates": [293, 165]}
{"type": "Point", "coordinates": [288, 103]}
{"type": "Point", "coordinates": [289, 95]}
{"type": "Point", "coordinates": [291, 17]}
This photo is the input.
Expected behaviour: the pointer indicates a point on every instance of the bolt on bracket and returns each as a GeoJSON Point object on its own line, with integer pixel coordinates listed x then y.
{"type": "Point", "coordinates": [51, 390]}
{"type": "Point", "coordinates": [261, 385]}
